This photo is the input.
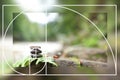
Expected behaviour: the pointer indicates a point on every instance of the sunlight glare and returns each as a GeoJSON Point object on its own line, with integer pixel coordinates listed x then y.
{"type": "Point", "coordinates": [38, 5]}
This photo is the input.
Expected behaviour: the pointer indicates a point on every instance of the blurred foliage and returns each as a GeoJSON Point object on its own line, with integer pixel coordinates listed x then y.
{"type": "Point", "coordinates": [24, 30]}
{"type": "Point", "coordinates": [73, 29]}
{"type": "Point", "coordinates": [90, 42]}
{"type": "Point", "coordinates": [69, 28]}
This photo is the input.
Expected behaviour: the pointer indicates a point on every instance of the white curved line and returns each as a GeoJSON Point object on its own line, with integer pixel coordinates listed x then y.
{"type": "Point", "coordinates": [78, 14]}
{"type": "Point", "coordinates": [11, 66]}
{"type": "Point", "coordinates": [3, 43]}
{"type": "Point", "coordinates": [40, 69]}
{"type": "Point", "coordinates": [93, 25]}
{"type": "Point", "coordinates": [3, 49]}
{"type": "Point", "coordinates": [10, 24]}
{"type": "Point", "coordinates": [43, 66]}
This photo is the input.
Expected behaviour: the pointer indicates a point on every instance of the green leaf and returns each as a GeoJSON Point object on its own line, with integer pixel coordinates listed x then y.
{"type": "Point", "coordinates": [25, 62]}
{"type": "Point", "coordinates": [32, 59]}
{"type": "Point", "coordinates": [17, 64]}
{"type": "Point", "coordinates": [39, 60]}
{"type": "Point", "coordinates": [50, 60]}
{"type": "Point", "coordinates": [22, 63]}
{"type": "Point", "coordinates": [53, 63]}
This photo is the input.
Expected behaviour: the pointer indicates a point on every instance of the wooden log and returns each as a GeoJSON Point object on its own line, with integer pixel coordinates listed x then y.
{"type": "Point", "coordinates": [95, 54]}
{"type": "Point", "coordinates": [85, 63]}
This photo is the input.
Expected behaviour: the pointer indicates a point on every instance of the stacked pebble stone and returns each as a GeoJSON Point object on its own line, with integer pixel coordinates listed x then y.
{"type": "Point", "coordinates": [36, 51]}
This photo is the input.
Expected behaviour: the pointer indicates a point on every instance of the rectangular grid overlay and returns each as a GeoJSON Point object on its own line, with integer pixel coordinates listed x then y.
{"type": "Point", "coordinates": [8, 5]}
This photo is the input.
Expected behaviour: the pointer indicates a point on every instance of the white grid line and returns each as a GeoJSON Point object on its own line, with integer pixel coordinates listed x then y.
{"type": "Point", "coordinates": [46, 40]}
{"type": "Point", "coordinates": [116, 37]}
{"type": "Point", "coordinates": [77, 74]}
{"type": "Point", "coordinates": [60, 75]}
{"type": "Point", "coordinates": [69, 5]}
{"type": "Point", "coordinates": [2, 38]}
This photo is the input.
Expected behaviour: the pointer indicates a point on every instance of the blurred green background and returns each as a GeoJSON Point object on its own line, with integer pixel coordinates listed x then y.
{"type": "Point", "coordinates": [68, 28]}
